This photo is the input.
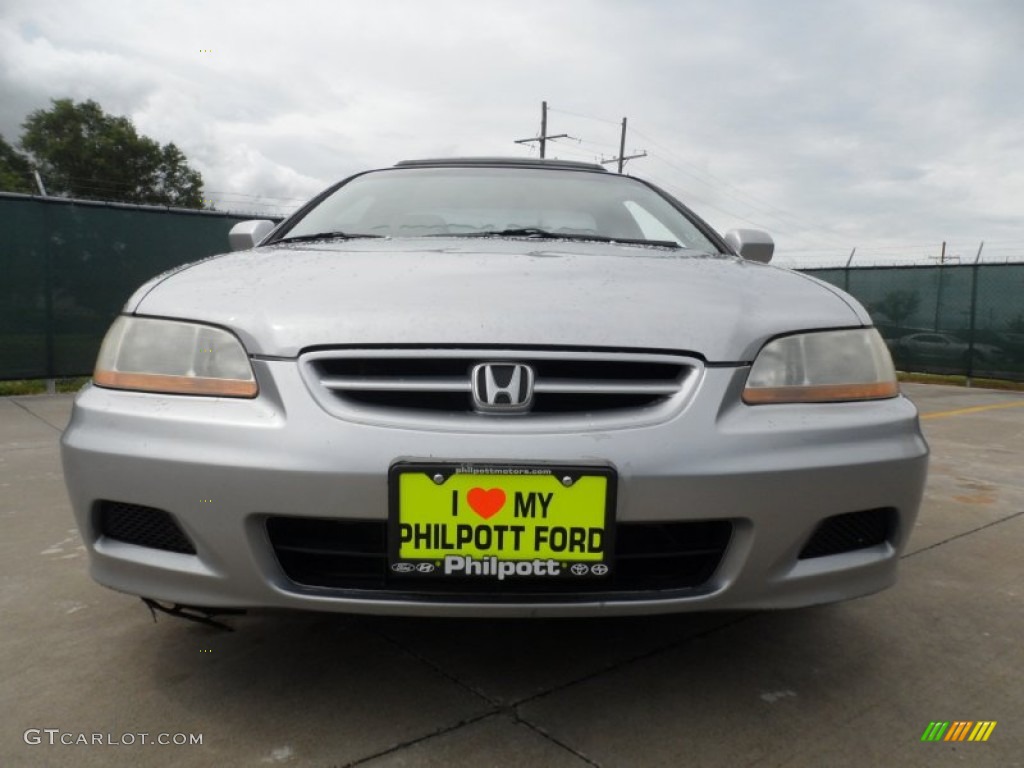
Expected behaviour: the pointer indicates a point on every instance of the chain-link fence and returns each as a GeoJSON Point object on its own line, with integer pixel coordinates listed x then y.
{"type": "Point", "coordinates": [67, 267]}
{"type": "Point", "coordinates": [951, 319]}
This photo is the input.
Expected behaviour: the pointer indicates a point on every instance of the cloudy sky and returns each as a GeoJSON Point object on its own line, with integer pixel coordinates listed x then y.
{"type": "Point", "coordinates": [888, 126]}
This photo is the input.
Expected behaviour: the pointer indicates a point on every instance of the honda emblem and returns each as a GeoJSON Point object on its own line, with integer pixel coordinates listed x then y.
{"type": "Point", "coordinates": [502, 387]}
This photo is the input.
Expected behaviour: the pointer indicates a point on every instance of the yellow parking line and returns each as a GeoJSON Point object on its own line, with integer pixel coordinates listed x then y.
{"type": "Point", "coordinates": [972, 409]}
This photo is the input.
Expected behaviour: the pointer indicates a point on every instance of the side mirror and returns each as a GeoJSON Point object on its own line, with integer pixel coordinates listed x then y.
{"type": "Point", "coordinates": [751, 244]}
{"type": "Point", "coordinates": [246, 234]}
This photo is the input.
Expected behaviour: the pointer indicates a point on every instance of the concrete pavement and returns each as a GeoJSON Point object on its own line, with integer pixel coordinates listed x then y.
{"type": "Point", "coordinates": [849, 684]}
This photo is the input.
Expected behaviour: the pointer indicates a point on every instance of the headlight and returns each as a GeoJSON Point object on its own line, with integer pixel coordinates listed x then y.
{"type": "Point", "coordinates": [171, 356]}
{"type": "Point", "coordinates": [821, 367]}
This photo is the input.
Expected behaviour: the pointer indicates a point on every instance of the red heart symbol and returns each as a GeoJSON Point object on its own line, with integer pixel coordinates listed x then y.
{"type": "Point", "coordinates": [486, 503]}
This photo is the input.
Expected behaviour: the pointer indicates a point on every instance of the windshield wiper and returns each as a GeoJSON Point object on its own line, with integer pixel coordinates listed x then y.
{"type": "Point", "coordinates": [544, 234]}
{"type": "Point", "coordinates": [322, 236]}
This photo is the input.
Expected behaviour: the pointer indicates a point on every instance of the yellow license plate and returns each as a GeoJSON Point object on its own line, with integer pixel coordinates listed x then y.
{"type": "Point", "coordinates": [500, 521]}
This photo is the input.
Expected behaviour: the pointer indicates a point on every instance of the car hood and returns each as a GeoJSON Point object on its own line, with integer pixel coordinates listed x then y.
{"type": "Point", "coordinates": [285, 298]}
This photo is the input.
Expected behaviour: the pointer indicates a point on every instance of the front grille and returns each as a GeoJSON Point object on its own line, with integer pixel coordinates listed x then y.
{"type": "Point", "coordinates": [849, 532]}
{"type": "Point", "coordinates": [352, 555]}
{"type": "Point", "coordinates": [438, 382]}
{"type": "Point", "coordinates": [144, 526]}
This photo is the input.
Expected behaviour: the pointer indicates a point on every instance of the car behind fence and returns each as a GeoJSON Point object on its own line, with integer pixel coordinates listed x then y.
{"type": "Point", "coordinates": [965, 319]}
{"type": "Point", "coordinates": [68, 266]}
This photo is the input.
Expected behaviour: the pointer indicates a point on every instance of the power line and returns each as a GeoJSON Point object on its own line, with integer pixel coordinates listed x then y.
{"type": "Point", "coordinates": [738, 195]}
{"type": "Point", "coordinates": [622, 158]}
{"type": "Point", "coordinates": [792, 225]}
{"type": "Point", "coordinates": [575, 153]}
{"type": "Point", "coordinates": [718, 181]}
{"type": "Point", "coordinates": [705, 203]}
{"type": "Point", "coordinates": [585, 117]}
{"type": "Point", "coordinates": [691, 196]}
{"type": "Point", "coordinates": [719, 184]}
{"type": "Point", "coordinates": [602, 144]}
{"type": "Point", "coordinates": [544, 138]}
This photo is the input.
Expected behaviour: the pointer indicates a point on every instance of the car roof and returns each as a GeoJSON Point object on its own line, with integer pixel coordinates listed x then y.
{"type": "Point", "coordinates": [515, 162]}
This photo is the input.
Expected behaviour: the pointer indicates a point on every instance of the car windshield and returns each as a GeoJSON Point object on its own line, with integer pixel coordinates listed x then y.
{"type": "Point", "coordinates": [511, 202]}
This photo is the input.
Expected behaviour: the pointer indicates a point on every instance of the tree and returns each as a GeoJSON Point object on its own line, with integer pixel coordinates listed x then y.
{"type": "Point", "coordinates": [15, 170]}
{"type": "Point", "coordinates": [898, 306]}
{"type": "Point", "coordinates": [83, 152]}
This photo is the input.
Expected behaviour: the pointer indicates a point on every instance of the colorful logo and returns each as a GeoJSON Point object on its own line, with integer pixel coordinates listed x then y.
{"type": "Point", "coordinates": [959, 730]}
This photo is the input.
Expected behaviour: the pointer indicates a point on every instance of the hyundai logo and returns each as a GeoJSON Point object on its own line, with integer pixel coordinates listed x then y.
{"type": "Point", "coordinates": [502, 387]}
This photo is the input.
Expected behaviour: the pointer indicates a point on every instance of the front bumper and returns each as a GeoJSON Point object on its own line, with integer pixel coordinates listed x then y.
{"type": "Point", "coordinates": [221, 467]}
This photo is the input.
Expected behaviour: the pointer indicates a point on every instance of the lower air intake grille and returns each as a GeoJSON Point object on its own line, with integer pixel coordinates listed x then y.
{"type": "Point", "coordinates": [352, 555]}
{"type": "Point", "coordinates": [330, 553]}
{"type": "Point", "coordinates": [850, 532]}
{"type": "Point", "coordinates": [144, 526]}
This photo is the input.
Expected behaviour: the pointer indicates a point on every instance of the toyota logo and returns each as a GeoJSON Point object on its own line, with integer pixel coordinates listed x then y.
{"type": "Point", "coordinates": [502, 387]}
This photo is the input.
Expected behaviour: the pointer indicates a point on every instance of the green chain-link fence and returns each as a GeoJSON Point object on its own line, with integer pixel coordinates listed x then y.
{"type": "Point", "coordinates": [951, 319]}
{"type": "Point", "coordinates": [67, 267]}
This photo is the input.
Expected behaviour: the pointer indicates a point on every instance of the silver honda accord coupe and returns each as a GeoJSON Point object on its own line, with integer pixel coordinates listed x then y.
{"type": "Point", "coordinates": [493, 387]}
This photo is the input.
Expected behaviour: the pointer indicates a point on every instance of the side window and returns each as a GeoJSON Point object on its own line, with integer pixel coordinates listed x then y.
{"type": "Point", "coordinates": [649, 225]}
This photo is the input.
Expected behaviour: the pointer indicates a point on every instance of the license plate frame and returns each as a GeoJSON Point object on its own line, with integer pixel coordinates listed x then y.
{"type": "Point", "coordinates": [568, 548]}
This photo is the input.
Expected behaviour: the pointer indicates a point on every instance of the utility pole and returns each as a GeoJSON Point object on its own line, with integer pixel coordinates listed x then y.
{"type": "Point", "coordinates": [941, 258]}
{"type": "Point", "coordinates": [974, 315]}
{"type": "Point", "coordinates": [51, 384]}
{"type": "Point", "coordinates": [938, 293]}
{"type": "Point", "coordinates": [543, 138]}
{"type": "Point", "coordinates": [623, 157]}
